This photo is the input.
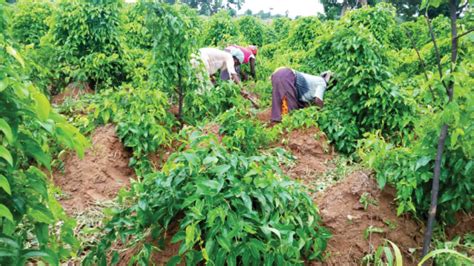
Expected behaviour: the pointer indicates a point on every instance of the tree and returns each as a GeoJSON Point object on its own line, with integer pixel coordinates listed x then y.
{"type": "Point", "coordinates": [174, 32]}
{"type": "Point", "coordinates": [209, 7]}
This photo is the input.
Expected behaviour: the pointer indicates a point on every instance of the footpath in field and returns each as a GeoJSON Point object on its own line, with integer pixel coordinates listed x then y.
{"type": "Point", "coordinates": [98, 176]}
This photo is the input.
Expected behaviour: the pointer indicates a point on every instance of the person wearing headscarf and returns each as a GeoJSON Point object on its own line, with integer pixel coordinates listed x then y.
{"type": "Point", "coordinates": [292, 90]}
{"type": "Point", "coordinates": [216, 60]}
{"type": "Point", "coordinates": [250, 54]}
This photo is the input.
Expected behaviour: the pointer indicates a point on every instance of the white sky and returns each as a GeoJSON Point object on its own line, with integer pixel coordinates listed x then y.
{"type": "Point", "coordinates": [295, 7]}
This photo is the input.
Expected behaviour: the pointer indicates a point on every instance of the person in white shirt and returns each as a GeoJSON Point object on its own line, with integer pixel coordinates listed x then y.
{"type": "Point", "coordinates": [294, 90]}
{"type": "Point", "coordinates": [215, 60]}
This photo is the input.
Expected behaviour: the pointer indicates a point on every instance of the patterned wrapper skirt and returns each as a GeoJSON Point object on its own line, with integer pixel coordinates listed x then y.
{"type": "Point", "coordinates": [284, 94]}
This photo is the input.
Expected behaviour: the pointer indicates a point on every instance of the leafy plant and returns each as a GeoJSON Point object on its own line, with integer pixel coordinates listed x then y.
{"type": "Point", "coordinates": [229, 209]}
{"type": "Point", "coordinates": [364, 99]}
{"type": "Point", "coordinates": [172, 28]}
{"type": "Point", "coordinates": [366, 200]}
{"type": "Point", "coordinates": [29, 22]}
{"type": "Point", "coordinates": [32, 222]}
{"type": "Point", "coordinates": [89, 41]}
{"type": "Point", "coordinates": [385, 255]}
{"type": "Point", "coordinates": [220, 30]}
{"type": "Point", "coordinates": [252, 30]}
{"type": "Point", "coordinates": [142, 118]}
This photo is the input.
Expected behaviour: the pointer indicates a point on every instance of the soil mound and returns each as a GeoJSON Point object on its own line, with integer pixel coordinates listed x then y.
{"type": "Point", "coordinates": [72, 91]}
{"type": "Point", "coordinates": [313, 154]}
{"type": "Point", "coordinates": [99, 175]}
{"type": "Point", "coordinates": [350, 223]}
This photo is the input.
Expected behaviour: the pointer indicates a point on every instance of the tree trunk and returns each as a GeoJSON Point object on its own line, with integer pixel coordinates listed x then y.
{"type": "Point", "coordinates": [443, 134]}
{"type": "Point", "coordinates": [345, 7]}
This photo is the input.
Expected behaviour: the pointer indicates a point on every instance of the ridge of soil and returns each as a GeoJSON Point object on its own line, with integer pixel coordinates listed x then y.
{"type": "Point", "coordinates": [73, 91]}
{"type": "Point", "coordinates": [340, 209]}
{"type": "Point", "coordinates": [312, 152]}
{"type": "Point", "coordinates": [346, 218]}
{"type": "Point", "coordinates": [98, 176]}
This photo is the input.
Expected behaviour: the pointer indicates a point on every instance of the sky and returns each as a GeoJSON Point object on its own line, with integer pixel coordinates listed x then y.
{"type": "Point", "coordinates": [295, 7]}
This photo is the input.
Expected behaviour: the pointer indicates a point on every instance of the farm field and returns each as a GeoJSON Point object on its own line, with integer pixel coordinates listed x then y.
{"type": "Point", "coordinates": [117, 148]}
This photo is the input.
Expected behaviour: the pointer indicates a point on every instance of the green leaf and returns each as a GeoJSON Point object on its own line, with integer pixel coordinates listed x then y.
{"type": "Point", "coordinates": [5, 154]}
{"type": "Point", "coordinates": [41, 214]}
{"type": "Point", "coordinates": [422, 162]}
{"type": "Point", "coordinates": [16, 55]}
{"type": "Point", "coordinates": [5, 184]}
{"type": "Point", "coordinates": [5, 212]}
{"type": "Point", "coordinates": [42, 106]}
{"type": "Point", "coordinates": [398, 254]}
{"type": "Point", "coordinates": [7, 131]}
{"type": "Point", "coordinates": [175, 260]}
{"type": "Point", "coordinates": [434, 253]}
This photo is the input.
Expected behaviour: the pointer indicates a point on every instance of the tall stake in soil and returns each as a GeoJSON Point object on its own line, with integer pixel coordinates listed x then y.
{"type": "Point", "coordinates": [444, 129]}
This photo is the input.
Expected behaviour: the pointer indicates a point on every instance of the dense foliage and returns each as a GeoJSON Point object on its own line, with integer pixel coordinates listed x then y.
{"type": "Point", "coordinates": [32, 222]}
{"type": "Point", "coordinates": [88, 41]}
{"type": "Point", "coordinates": [223, 198]}
{"type": "Point", "coordinates": [29, 22]}
{"type": "Point", "coordinates": [228, 208]}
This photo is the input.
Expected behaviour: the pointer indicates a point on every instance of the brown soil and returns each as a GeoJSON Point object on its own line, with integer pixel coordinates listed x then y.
{"type": "Point", "coordinates": [464, 224]}
{"type": "Point", "coordinates": [265, 115]}
{"type": "Point", "coordinates": [98, 176]}
{"type": "Point", "coordinates": [339, 205]}
{"type": "Point", "coordinates": [313, 155]}
{"type": "Point", "coordinates": [346, 218]}
{"type": "Point", "coordinates": [72, 91]}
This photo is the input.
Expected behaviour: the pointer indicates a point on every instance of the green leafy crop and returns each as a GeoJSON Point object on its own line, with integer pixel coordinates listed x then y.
{"type": "Point", "coordinates": [29, 22]}
{"type": "Point", "coordinates": [230, 209]}
{"type": "Point", "coordinates": [364, 98]}
{"type": "Point", "coordinates": [32, 222]}
{"type": "Point", "coordinates": [89, 41]}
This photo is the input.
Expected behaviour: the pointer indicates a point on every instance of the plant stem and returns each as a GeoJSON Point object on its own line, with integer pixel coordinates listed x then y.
{"type": "Point", "coordinates": [438, 57]}
{"type": "Point", "coordinates": [443, 134]}
{"type": "Point", "coordinates": [410, 36]}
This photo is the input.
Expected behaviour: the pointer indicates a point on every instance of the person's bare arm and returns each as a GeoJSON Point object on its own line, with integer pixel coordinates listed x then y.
{"type": "Point", "coordinates": [236, 78]}
{"type": "Point", "coordinates": [252, 68]}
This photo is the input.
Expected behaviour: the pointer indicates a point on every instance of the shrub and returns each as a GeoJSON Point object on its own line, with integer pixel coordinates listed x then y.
{"type": "Point", "coordinates": [221, 30]}
{"type": "Point", "coordinates": [88, 41]}
{"type": "Point", "coordinates": [252, 30]}
{"type": "Point", "coordinates": [229, 209]}
{"type": "Point", "coordinates": [364, 95]}
{"type": "Point", "coordinates": [33, 223]}
{"type": "Point", "coordinates": [303, 32]}
{"type": "Point", "coordinates": [29, 22]}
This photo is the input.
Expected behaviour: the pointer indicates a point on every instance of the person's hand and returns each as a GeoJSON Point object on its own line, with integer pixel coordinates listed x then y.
{"type": "Point", "coordinates": [319, 102]}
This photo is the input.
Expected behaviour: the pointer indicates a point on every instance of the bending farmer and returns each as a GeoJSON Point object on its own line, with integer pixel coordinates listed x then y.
{"type": "Point", "coordinates": [215, 60]}
{"type": "Point", "coordinates": [294, 90]}
{"type": "Point", "coordinates": [250, 54]}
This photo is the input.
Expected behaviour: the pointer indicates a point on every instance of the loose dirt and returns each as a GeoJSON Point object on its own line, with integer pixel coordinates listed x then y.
{"type": "Point", "coordinates": [340, 207]}
{"type": "Point", "coordinates": [345, 216]}
{"type": "Point", "coordinates": [313, 155]}
{"type": "Point", "coordinates": [98, 176]}
{"type": "Point", "coordinates": [72, 91]}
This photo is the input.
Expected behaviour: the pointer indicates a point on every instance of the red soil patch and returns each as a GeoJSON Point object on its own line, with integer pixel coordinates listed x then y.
{"type": "Point", "coordinates": [99, 175]}
{"type": "Point", "coordinates": [265, 116]}
{"type": "Point", "coordinates": [313, 154]}
{"type": "Point", "coordinates": [347, 219]}
{"type": "Point", "coordinates": [464, 224]}
{"type": "Point", "coordinates": [339, 205]}
{"type": "Point", "coordinates": [72, 91]}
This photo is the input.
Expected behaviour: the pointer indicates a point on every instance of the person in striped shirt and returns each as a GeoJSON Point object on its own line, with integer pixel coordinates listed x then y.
{"type": "Point", "coordinates": [292, 90]}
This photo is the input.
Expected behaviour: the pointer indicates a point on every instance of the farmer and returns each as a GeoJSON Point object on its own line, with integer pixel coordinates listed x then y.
{"type": "Point", "coordinates": [250, 54]}
{"type": "Point", "coordinates": [294, 90]}
{"type": "Point", "coordinates": [215, 60]}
